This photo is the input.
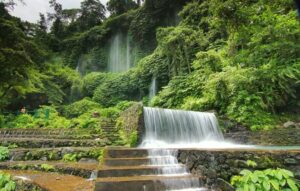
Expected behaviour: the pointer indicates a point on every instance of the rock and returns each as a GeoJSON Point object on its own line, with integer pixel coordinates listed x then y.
{"type": "Point", "coordinates": [44, 159]}
{"type": "Point", "coordinates": [88, 160]}
{"type": "Point", "coordinates": [290, 161]}
{"type": "Point", "coordinates": [66, 151]}
{"type": "Point", "coordinates": [224, 185]}
{"type": "Point", "coordinates": [290, 124]}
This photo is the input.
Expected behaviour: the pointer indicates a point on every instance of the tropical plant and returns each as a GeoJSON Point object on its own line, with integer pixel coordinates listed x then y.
{"type": "Point", "coordinates": [266, 180]}
{"type": "Point", "coordinates": [4, 153]}
{"type": "Point", "coordinates": [6, 183]}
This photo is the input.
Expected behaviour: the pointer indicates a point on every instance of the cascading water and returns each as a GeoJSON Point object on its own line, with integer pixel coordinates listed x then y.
{"type": "Point", "coordinates": [177, 128]}
{"type": "Point", "coordinates": [152, 88]}
{"type": "Point", "coordinates": [166, 129]}
{"type": "Point", "coordinates": [119, 53]}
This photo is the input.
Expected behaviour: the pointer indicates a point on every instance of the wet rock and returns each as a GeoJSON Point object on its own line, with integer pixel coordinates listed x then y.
{"type": "Point", "coordinates": [224, 185]}
{"type": "Point", "coordinates": [290, 124]}
{"type": "Point", "coordinates": [88, 160]}
{"type": "Point", "coordinates": [66, 151]}
{"type": "Point", "coordinates": [290, 161]}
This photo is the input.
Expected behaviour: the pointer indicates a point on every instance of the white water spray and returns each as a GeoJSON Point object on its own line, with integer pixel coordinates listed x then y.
{"type": "Point", "coordinates": [177, 128]}
{"type": "Point", "coordinates": [166, 129]}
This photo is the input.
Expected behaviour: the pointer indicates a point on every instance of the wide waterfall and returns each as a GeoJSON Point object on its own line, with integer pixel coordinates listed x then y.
{"type": "Point", "coordinates": [166, 129]}
{"type": "Point", "coordinates": [119, 59]}
{"type": "Point", "coordinates": [177, 128]}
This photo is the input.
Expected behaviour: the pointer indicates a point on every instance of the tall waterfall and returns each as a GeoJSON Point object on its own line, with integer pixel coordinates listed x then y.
{"type": "Point", "coordinates": [179, 128]}
{"type": "Point", "coordinates": [152, 88]}
{"type": "Point", "coordinates": [119, 53]}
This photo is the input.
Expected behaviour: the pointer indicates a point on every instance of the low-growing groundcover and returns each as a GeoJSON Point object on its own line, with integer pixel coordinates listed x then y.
{"type": "Point", "coordinates": [4, 153]}
{"type": "Point", "coordinates": [6, 183]}
{"type": "Point", "coordinates": [265, 180]}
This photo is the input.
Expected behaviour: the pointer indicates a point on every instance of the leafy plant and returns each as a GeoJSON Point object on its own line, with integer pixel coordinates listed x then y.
{"type": "Point", "coordinates": [4, 153]}
{"type": "Point", "coordinates": [6, 183]}
{"type": "Point", "coordinates": [47, 167]}
{"type": "Point", "coordinates": [266, 180]}
{"type": "Point", "coordinates": [70, 157]}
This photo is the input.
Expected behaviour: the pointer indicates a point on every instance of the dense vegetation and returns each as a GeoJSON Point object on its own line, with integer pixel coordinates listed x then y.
{"type": "Point", "coordinates": [239, 58]}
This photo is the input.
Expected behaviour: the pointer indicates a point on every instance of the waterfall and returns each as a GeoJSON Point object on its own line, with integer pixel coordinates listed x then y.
{"type": "Point", "coordinates": [152, 88]}
{"type": "Point", "coordinates": [119, 53]}
{"type": "Point", "coordinates": [166, 129]}
{"type": "Point", "coordinates": [177, 128]}
{"type": "Point", "coordinates": [166, 158]}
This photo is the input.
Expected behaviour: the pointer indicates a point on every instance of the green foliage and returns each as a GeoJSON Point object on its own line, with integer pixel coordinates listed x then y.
{"type": "Point", "coordinates": [47, 167]}
{"type": "Point", "coordinates": [270, 179]}
{"type": "Point", "coordinates": [80, 107]}
{"type": "Point", "coordinates": [4, 153]}
{"type": "Point", "coordinates": [70, 158]}
{"type": "Point", "coordinates": [116, 88]}
{"type": "Point", "coordinates": [6, 183]}
{"type": "Point", "coordinates": [117, 7]}
{"type": "Point", "coordinates": [133, 139]}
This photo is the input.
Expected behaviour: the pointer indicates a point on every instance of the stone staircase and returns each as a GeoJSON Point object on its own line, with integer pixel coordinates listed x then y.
{"type": "Point", "coordinates": [38, 155]}
{"type": "Point", "coordinates": [127, 169]}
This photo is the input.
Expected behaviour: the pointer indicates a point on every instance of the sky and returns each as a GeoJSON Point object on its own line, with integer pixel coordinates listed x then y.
{"type": "Point", "coordinates": [30, 11]}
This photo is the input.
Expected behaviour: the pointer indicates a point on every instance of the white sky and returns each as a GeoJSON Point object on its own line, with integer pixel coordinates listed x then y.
{"type": "Point", "coordinates": [30, 11]}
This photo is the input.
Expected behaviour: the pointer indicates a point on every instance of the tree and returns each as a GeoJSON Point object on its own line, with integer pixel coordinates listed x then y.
{"type": "Point", "coordinates": [10, 3]}
{"type": "Point", "coordinates": [92, 13]}
{"type": "Point", "coordinates": [117, 7]}
{"type": "Point", "coordinates": [19, 56]}
{"type": "Point", "coordinates": [42, 23]}
{"type": "Point", "coordinates": [57, 28]}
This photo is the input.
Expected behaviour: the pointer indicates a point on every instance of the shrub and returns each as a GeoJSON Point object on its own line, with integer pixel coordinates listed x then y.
{"type": "Point", "coordinates": [70, 158]}
{"type": "Point", "coordinates": [47, 167]}
{"type": "Point", "coordinates": [265, 180]}
{"type": "Point", "coordinates": [6, 183]}
{"type": "Point", "coordinates": [24, 121]}
{"type": "Point", "coordinates": [4, 153]}
{"type": "Point", "coordinates": [80, 107]}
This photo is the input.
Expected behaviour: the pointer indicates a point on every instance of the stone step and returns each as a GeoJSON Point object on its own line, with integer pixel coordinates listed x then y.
{"type": "Point", "coordinates": [127, 171]}
{"type": "Point", "coordinates": [126, 161]}
{"type": "Point", "coordinates": [130, 161]}
{"type": "Point", "coordinates": [126, 153]}
{"type": "Point", "coordinates": [53, 154]}
{"type": "Point", "coordinates": [80, 169]}
{"type": "Point", "coordinates": [51, 143]}
{"type": "Point", "coordinates": [146, 183]}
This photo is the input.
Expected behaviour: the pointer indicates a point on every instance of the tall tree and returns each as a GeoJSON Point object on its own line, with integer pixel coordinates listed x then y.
{"type": "Point", "coordinates": [92, 13]}
{"type": "Point", "coordinates": [117, 7]}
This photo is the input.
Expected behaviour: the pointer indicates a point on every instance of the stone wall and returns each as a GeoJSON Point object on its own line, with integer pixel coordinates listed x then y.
{"type": "Point", "coordinates": [280, 136]}
{"type": "Point", "coordinates": [132, 120]}
{"type": "Point", "coordinates": [222, 164]}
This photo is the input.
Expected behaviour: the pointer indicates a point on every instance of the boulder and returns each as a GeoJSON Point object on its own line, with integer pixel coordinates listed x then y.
{"type": "Point", "coordinates": [290, 124]}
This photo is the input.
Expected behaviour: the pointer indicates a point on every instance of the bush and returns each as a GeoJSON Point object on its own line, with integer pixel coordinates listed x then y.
{"type": "Point", "coordinates": [70, 158]}
{"type": "Point", "coordinates": [80, 107]}
{"type": "Point", "coordinates": [24, 121]}
{"type": "Point", "coordinates": [6, 183]}
{"type": "Point", "coordinates": [47, 167]}
{"type": "Point", "coordinates": [4, 153]}
{"type": "Point", "coordinates": [266, 180]}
